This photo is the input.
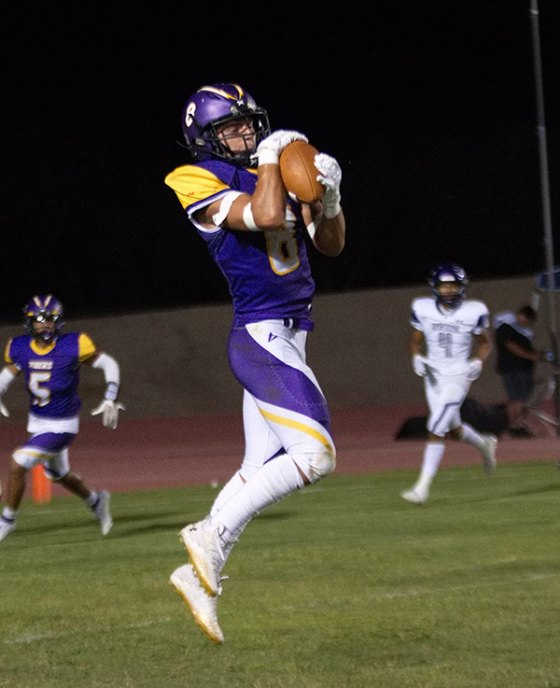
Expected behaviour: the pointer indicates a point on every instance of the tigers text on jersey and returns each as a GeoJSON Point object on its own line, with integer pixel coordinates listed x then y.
{"type": "Point", "coordinates": [268, 273]}
{"type": "Point", "coordinates": [448, 333]}
{"type": "Point", "coordinates": [52, 374]}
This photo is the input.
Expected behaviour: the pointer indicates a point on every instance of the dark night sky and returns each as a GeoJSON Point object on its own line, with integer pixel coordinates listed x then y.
{"type": "Point", "coordinates": [429, 106]}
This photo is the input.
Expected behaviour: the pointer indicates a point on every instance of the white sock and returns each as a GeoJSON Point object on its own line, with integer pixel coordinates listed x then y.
{"type": "Point", "coordinates": [9, 514]}
{"type": "Point", "coordinates": [433, 453]}
{"type": "Point", "coordinates": [231, 488]}
{"type": "Point", "coordinates": [92, 499]}
{"type": "Point", "coordinates": [472, 437]}
{"type": "Point", "coordinates": [271, 483]}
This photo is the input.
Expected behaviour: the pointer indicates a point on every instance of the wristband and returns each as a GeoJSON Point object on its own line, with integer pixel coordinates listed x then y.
{"type": "Point", "coordinates": [111, 391]}
{"type": "Point", "coordinates": [331, 211]}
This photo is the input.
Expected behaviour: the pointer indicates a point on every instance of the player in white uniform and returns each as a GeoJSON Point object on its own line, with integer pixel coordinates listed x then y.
{"type": "Point", "coordinates": [449, 344]}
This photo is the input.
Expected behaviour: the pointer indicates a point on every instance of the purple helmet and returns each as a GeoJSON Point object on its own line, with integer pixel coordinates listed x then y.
{"type": "Point", "coordinates": [42, 309]}
{"type": "Point", "coordinates": [214, 105]}
{"type": "Point", "coordinates": [449, 272]}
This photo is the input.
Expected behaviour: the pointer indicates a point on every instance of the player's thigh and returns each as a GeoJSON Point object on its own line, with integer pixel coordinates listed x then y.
{"type": "Point", "coordinates": [268, 359]}
{"type": "Point", "coordinates": [49, 449]}
{"type": "Point", "coordinates": [261, 442]}
{"type": "Point", "coordinates": [445, 404]}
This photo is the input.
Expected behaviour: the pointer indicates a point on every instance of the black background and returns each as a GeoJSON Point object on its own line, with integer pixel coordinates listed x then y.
{"type": "Point", "coordinates": [428, 105]}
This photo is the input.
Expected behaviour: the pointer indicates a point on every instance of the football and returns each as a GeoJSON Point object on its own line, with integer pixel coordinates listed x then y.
{"type": "Point", "coordinates": [299, 174]}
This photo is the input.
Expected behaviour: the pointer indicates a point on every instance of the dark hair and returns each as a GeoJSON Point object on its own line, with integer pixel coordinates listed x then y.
{"type": "Point", "coordinates": [529, 312]}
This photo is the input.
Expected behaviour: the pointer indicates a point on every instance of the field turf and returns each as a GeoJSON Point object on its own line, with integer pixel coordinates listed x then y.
{"type": "Point", "coordinates": [342, 585]}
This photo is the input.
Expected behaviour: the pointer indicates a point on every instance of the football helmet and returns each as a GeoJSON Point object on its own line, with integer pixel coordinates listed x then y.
{"type": "Point", "coordinates": [449, 272]}
{"type": "Point", "coordinates": [42, 309]}
{"type": "Point", "coordinates": [214, 105]}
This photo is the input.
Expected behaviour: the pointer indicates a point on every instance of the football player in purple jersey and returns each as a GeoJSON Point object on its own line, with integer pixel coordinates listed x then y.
{"type": "Point", "coordinates": [233, 195]}
{"type": "Point", "coordinates": [50, 362]}
{"type": "Point", "coordinates": [449, 345]}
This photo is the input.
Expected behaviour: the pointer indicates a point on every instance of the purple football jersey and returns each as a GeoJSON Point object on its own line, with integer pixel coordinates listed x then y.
{"type": "Point", "coordinates": [268, 273]}
{"type": "Point", "coordinates": [51, 378]}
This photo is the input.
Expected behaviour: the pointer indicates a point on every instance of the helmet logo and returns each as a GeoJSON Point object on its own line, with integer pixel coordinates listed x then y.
{"type": "Point", "coordinates": [189, 114]}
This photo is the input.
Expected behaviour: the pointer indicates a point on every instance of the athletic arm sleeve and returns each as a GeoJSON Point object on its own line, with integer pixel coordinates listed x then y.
{"type": "Point", "coordinates": [6, 379]}
{"type": "Point", "coordinates": [111, 370]}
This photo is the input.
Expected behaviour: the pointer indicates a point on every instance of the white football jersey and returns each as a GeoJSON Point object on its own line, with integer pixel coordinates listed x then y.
{"type": "Point", "coordinates": [449, 333]}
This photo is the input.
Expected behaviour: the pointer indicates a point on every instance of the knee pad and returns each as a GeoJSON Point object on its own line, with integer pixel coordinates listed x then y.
{"type": "Point", "coordinates": [55, 466]}
{"type": "Point", "coordinates": [317, 465]}
{"type": "Point", "coordinates": [58, 467]}
{"type": "Point", "coordinates": [27, 458]}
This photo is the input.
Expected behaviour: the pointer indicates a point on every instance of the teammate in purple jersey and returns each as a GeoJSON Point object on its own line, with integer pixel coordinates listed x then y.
{"type": "Point", "coordinates": [50, 362]}
{"type": "Point", "coordinates": [257, 234]}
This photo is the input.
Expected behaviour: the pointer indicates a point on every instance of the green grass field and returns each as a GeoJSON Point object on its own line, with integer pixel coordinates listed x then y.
{"type": "Point", "coordinates": [340, 585]}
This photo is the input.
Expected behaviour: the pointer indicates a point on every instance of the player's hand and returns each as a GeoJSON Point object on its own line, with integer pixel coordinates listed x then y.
{"type": "Point", "coordinates": [419, 365]}
{"type": "Point", "coordinates": [110, 410]}
{"type": "Point", "coordinates": [474, 369]}
{"type": "Point", "coordinates": [269, 149]}
{"type": "Point", "coordinates": [330, 176]}
{"type": "Point", "coordinates": [4, 409]}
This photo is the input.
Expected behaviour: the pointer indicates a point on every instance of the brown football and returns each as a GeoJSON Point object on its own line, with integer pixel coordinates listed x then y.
{"type": "Point", "coordinates": [299, 174]}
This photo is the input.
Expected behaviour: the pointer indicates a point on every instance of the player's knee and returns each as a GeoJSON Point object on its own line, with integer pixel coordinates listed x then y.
{"type": "Point", "coordinates": [319, 465]}
{"type": "Point", "coordinates": [53, 474]}
{"type": "Point", "coordinates": [23, 459]}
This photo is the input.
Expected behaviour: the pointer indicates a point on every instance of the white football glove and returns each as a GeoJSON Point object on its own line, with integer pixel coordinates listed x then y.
{"type": "Point", "coordinates": [419, 365]}
{"type": "Point", "coordinates": [269, 149]}
{"type": "Point", "coordinates": [474, 370]}
{"type": "Point", "coordinates": [110, 410]}
{"type": "Point", "coordinates": [330, 176]}
{"type": "Point", "coordinates": [3, 409]}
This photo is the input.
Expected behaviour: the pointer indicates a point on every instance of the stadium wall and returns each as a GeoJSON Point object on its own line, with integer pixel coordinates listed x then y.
{"type": "Point", "coordinates": [174, 363]}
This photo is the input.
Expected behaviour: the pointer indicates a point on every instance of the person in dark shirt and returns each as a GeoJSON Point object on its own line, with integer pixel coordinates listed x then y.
{"type": "Point", "coordinates": [515, 352]}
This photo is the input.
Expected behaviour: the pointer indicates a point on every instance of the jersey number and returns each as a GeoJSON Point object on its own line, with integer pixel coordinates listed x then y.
{"type": "Point", "coordinates": [41, 395]}
{"type": "Point", "coordinates": [445, 341]}
{"type": "Point", "coordinates": [282, 247]}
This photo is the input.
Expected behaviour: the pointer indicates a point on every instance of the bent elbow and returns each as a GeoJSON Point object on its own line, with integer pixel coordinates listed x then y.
{"type": "Point", "coordinates": [331, 248]}
{"type": "Point", "coordinates": [266, 221]}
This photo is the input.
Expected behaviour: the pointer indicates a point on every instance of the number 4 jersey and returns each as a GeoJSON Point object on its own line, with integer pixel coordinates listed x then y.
{"type": "Point", "coordinates": [52, 374]}
{"type": "Point", "coordinates": [449, 333]}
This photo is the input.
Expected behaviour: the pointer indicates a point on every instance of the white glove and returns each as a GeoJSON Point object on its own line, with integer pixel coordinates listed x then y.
{"type": "Point", "coordinates": [330, 176]}
{"type": "Point", "coordinates": [110, 410]}
{"type": "Point", "coordinates": [474, 370]}
{"type": "Point", "coordinates": [269, 149]}
{"type": "Point", "coordinates": [419, 365]}
{"type": "Point", "coordinates": [3, 409]}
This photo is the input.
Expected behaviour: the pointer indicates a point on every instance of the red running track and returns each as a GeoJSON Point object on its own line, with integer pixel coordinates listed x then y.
{"type": "Point", "coordinates": [170, 452]}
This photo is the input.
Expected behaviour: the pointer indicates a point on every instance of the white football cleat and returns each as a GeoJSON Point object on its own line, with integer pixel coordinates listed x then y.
{"type": "Point", "coordinates": [203, 607]}
{"type": "Point", "coordinates": [103, 513]}
{"type": "Point", "coordinates": [489, 453]}
{"type": "Point", "coordinates": [202, 543]}
{"type": "Point", "coordinates": [6, 527]}
{"type": "Point", "coordinates": [414, 497]}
